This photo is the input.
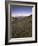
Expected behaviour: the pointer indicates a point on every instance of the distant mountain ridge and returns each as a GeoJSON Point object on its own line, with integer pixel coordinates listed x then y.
{"type": "Point", "coordinates": [20, 18]}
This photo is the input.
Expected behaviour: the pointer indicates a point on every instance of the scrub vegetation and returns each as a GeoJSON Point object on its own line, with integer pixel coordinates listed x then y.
{"type": "Point", "coordinates": [21, 26]}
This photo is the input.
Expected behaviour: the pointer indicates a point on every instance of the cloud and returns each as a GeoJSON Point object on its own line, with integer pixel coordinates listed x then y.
{"type": "Point", "coordinates": [20, 14]}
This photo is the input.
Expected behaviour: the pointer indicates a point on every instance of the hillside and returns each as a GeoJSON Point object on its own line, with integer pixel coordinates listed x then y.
{"type": "Point", "coordinates": [21, 26]}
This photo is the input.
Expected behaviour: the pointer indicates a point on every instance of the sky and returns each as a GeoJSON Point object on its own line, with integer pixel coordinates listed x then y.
{"type": "Point", "coordinates": [17, 11]}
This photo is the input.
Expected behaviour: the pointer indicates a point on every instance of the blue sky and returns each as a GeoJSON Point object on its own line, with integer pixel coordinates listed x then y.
{"type": "Point", "coordinates": [20, 10]}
